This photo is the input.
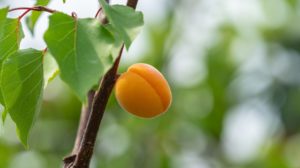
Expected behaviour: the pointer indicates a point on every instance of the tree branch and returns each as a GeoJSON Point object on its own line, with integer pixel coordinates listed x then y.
{"type": "Point", "coordinates": [99, 104]}
{"type": "Point", "coordinates": [132, 3]}
{"type": "Point", "coordinates": [85, 140]}
{"type": "Point", "coordinates": [85, 113]}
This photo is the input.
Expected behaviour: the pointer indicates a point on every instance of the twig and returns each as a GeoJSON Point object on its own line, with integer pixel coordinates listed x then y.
{"type": "Point", "coordinates": [35, 8]}
{"type": "Point", "coordinates": [43, 8]}
{"type": "Point", "coordinates": [132, 3]}
{"type": "Point", "coordinates": [21, 8]}
{"type": "Point", "coordinates": [28, 9]}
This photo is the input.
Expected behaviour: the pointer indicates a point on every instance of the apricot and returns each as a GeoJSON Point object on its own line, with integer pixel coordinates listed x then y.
{"type": "Point", "coordinates": [143, 91]}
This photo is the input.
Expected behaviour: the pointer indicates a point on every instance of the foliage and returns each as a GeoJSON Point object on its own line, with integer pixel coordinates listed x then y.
{"type": "Point", "coordinates": [22, 85]}
{"type": "Point", "coordinates": [233, 67]}
{"type": "Point", "coordinates": [35, 15]}
{"type": "Point", "coordinates": [83, 48]}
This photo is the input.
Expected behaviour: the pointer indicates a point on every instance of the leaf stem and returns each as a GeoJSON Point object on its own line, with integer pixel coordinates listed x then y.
{"type": "Point", "coordinates": [21, 8]}
{"type": "Point", "coordinates": [98, 12]}
{"type": "Point", "coordinates": [23, 14]}
{"type": "Point", "coordinates": [35, 8]}
{"type": "Point", "coordinates": [28, 9]}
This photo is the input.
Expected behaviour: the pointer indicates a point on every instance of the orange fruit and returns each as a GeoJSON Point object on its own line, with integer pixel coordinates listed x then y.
{"type": "Point", "coordinates": [143, 91]}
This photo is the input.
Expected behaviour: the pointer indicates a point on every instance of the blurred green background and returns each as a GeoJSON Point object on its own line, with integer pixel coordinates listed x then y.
{"type": "Point", "coordinates": [234, 71]}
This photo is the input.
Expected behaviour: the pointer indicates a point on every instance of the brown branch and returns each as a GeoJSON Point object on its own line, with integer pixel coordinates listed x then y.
{"type": "Point", "coordinates": [82, 154]}
{"type": "Point", "coordinates": [85, 113]}
{"type": "Point", "coordinates": [43, 8]}
{"type": "Point", "coordinates": [99, 104]}
{"type": "Point", "coordinates": [132, 3]}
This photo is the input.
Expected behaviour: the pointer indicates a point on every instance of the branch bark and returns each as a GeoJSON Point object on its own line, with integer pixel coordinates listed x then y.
{"type": "Point", "coordinates": [100, 100]}
{"type": "Point", "coordinates": [85, 113]}
{"type": "Point", "coordinates": [132, 3]}
{"type": "Point", "coordinates": [92, 115]}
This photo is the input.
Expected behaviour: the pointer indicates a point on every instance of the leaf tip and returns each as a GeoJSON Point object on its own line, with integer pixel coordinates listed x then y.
{"type": "Point", "coordinates": [23, 138]}
{"type": "Point", "coordinates": [3, 117]}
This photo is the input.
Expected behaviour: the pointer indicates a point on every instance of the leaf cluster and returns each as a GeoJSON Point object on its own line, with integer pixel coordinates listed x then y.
{"type": "Point", "coordinates": [81, 50]}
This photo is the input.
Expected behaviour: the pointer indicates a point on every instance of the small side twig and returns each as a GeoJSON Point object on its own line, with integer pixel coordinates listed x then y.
{"type": "Point", "coordinates": [43, 8]}
{"type": "Point", "coordinates": [28, 9]}
{"type": "Point", "coordinates": [35, 8]}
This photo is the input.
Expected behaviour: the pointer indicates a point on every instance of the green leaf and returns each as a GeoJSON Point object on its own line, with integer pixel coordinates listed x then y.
{"type": "Point", "coordinates": [50, 68]}
{"type": "Point", "coordinates": [82, 49]}
{"type": "Point", "coordinates": [10, 37]}
{"type": "Point", "coordinates": [22, 86]}
{"type": "Point", "coordinates": [35, 15]}
{"type": "Point", "coordinates": [3, 13]}
{"type": "Point", "coordinates": [125, 20]}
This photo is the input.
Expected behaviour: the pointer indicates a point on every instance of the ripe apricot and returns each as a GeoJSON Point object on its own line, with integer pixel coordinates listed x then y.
{"type": "Point", "coordinates": [143, 91]}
